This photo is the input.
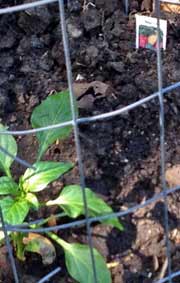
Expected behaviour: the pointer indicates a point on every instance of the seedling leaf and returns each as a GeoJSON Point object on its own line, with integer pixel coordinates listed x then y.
{"type": "Point", "coordinates": [8, 186]}
{"type": "Point", "coordinates": [33, 200]}
{"type": "Point", "coordinates": [44, 173]}
{"type": "Point", "coordinates": [14, 211]}
{"type": "Point", "coordinates": [9, 144]}
{"type": "Point", "coordinates": [79, 265]}
{"type": "Point", "coordinates": [71, 201]}
{"type": "Point", "coordinates": [54, 110]}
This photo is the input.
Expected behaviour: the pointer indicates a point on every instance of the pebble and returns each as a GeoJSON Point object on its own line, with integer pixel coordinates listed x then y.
{"type": "Point", "coordinates": [21, 99]}
{"type": "Point", "coordinates": [91, 19]}
{"type": "Point", "coordinates": [92, 51]}
{"type": "Point", "coordinates": [117, 66]}
{"type": "Point", "coordinates": [13, 119]}
{"type": "Point", "coordinates": [3, 78]}
{"type": "Point", "coordinates": [35, 20]}
{"type": "Point", "coordinates": [74, 6]}
{"type": "Point", "coordinates": [74, 31]}
{"type": "Point", "coordinates": [46, 62]}
{"type": "Point", "coordinates": [7, 41]}
{"type": "Point", "coordinates": [4, 100]}
{"type": "Point", "coordinates": [6, 61]}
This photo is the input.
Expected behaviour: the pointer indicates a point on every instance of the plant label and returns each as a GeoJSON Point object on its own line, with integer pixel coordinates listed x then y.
{"type": "Point", "coordinates": [146, 32]}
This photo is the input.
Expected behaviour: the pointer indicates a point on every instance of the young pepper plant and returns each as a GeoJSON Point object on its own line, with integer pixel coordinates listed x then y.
{"type": "Point", "coordinates": [18, 199]}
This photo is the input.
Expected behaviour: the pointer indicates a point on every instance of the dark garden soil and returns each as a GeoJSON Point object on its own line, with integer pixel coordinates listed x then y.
{"type": "Point", "coordinates": [121, 155]}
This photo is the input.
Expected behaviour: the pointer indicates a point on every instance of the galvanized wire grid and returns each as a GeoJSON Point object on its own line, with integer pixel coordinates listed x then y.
{"type": "Point", "coordinates": [75, 122]}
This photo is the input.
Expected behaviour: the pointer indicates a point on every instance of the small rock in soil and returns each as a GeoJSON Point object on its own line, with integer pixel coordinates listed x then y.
{"type": "Point", "coordinates": [91, 57]}
{"type": "Point", "coordinates": [28, 43]}
{"type": "Point", "coordinates": [117, 31]}
{"type": "Point", "coordinates": [3, 78]}
{"type": "Point", "coordinates": [146, 5]}
{"type": "Point", "coordinates": [36, 42]}
{"type": "Point", "coordinates": [74, 27]}
{"type": "Point", "coordinates": [58, 54]}
{"type": "Point", "coordinates": [118, 274]}
{"type": "Point", "coordinates": [92, 51]}
{"type": "Point", "coordinates": [20, 90]}
{"type": "Point", "coordinates": [117, 66]}
{"type": "Point", "coordinates": [7, 41]}
{"type": "Point", "coordinates": [5, 267]}
{"type": "Point", "coordinates": [4, 100]}
{"type": "Point", "coordinates": [91, 19]}
{"type": "Point", "coordinates": [107, 6]}
{"type": "Point", "coordinates": [101, 234]}
{"type": "Point", "coordinates": [134, 5]}
{"type": "Point", "coordinates": [74, 6]}
{"type": "Point", "coordinates": [29, 279]}
{"type": "Point", "coordinates": [35, 20]}
{"type": "Point", "coordinates": [46, 62]}
{"type": "Point", "coordinates": [128, 90]}
{"type": "Point", "coordinates": [146, 83]}
{"type": "Point", "coordinates": [6, 61]}
{"type": "Point", "coordinates": [133, 262]}
{"type": "Point", "coordinates": [173, 176]}
{"type": "Point", "coordinates": [149, 242]}
{"type": "Point", "coordinates": [175, 72]}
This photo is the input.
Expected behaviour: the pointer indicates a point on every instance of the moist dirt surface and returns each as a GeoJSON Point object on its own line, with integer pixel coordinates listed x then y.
{"type": "Point", "coordinates": [121, 155]}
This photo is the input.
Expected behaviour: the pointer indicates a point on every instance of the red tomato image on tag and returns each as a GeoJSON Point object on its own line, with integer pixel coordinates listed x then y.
{"type": "Point", "coordinates": [143, 40]}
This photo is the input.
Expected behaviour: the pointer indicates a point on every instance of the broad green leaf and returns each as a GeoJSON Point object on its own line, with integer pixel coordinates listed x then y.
{"type": "Point", "coordinates": [45, 172]}
{"type": "Point", "coordinates": [14, 211]}
{"type": "Point", "coordinates": [8, 143]}
{"type": "Point", "coordinates": [79, 264]}
{"type": "Point", "coordinates": [2, 236]}
{"type": "Point", "coordinates": [39, 244]}
{"type": "Point", "coordinates": [33, 200]}
{"type": "Point", "coordinates": [71, 201]}
{"type": "Point", "coordinates": [54, 110]}
{"type": "Point", "coordinates": [8, 186]}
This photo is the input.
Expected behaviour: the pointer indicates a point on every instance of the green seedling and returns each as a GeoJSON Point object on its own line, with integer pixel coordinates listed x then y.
{"type": "Point", "coordinates": [18, 199]}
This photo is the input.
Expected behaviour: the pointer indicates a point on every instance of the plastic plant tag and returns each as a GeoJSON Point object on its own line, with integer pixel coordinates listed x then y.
{"type": "Point", "coordinates": [146, 32]}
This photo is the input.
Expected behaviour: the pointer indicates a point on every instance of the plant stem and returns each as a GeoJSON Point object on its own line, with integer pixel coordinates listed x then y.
{"type": "Point", "coordinates": [58, 240]}
{"type": "Point", "coordinates": [18, 244]}
{"type": "Point", "coordinates": [8, 173]}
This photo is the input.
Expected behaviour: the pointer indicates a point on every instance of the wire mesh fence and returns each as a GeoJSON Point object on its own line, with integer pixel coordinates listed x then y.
{"type": "Point", "coordinates": [75, 122]}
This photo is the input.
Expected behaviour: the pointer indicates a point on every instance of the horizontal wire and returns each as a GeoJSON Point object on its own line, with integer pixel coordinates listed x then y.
{"type": "Point", "coordinates": [49, 275]}
{"type": "Point", "coordinates": [94, 118]}
{"type": "Point", "coordinates": [93, 219]}
{"type": "Point", "coordinates": [26, 6]}
{"type": "Point", "coordinates": [129, 107]}
{"type": "Point", "coordinates": [38, 221]}
{"type": "Point", "coordinates": [37, 130]}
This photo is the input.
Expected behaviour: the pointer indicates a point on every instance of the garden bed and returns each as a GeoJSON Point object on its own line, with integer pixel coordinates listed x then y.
{"type": "Point", "coordinates": [121, 156]}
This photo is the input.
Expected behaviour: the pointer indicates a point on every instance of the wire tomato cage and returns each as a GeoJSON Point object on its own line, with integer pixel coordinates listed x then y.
{"type": "Point", "coordinates": [75, 122]}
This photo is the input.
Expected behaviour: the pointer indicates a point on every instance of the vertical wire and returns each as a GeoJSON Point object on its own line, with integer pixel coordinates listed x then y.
{"type": "Point", "coordinates": [126, 6]}
{"type": "Point", "coordinates": [9, 248]}
{"type": "Point", "coordinates": [162, 141]}
{"type": "Point", "coordinates": [76, 131]}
